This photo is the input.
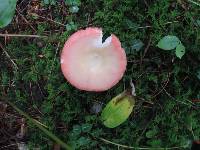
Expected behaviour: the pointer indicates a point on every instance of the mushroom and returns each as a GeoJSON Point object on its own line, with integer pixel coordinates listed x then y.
{"type": "Point", "coordinates": [90, 65]}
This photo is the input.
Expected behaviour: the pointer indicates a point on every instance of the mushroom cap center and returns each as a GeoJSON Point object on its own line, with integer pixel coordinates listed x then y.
{"type": "Point", "coordinates": [94, 61]}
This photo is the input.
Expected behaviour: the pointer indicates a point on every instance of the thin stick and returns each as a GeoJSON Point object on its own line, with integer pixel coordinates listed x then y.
{"type": "Point", "coordinates": [146, 49]}
{"type": "Point", "coordinates": [14, 64]}
{"type": "Point", "coordinates": [174, 98]}
{"type": "Point", "coordinates": [51, 20]}
{"type": "Point", "coordinates": [26, 20]}
{"type": "Point", "coordinates": [39, 125]}
{"type": "Point", "coordinates": [163, 87]}
{"type": "Point", "coordinates": [8, 146]}
{"type": "Point", "coordinates": [196, 3]}
{"type": "Point", "coordinates": [170, 22]}
{"type": "Point", "coordinates": [58, 45]}
{"type": "Point", "coordinates": [140, 148]}
{"type": "Point", "coordinates": [21, 35]}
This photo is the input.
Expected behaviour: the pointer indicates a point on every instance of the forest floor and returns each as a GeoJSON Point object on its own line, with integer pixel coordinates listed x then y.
{"type": "Point", "coordinates": [167, 108]}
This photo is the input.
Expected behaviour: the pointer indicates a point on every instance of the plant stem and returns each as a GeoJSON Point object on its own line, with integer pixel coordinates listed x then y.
{"type": "Point", "coordinates": [48, 133]}
{"type": "Point", "coordinates": [21, 35]}
{"type": "Point", "coordinates": [196, 3]}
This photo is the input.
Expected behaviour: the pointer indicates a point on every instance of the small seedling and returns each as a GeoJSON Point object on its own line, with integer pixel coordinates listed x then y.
{"type": "Point", "coordinates": [171, 42]}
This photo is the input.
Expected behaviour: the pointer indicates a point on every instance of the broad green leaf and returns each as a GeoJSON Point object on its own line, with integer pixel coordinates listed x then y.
{"type": "Point", "coordinates": [168, 42]}
{"type": "Point", "coordinates": [180, 50]}
{"type": "Point", "coordinates": [7, 11]}
{"type": "Point", "coordinates": [117, 110]}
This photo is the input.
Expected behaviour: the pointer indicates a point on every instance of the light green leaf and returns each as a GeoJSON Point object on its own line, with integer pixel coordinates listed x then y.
{"type": "Point", "coordinates": [49, 2]}
{"type": "Point", "coordinates": [117, 110]}
{"type": "Point", "coordinates": [74, 9]}
{"type": "Point", "coordinates": [197, 23]}
{"type": "Point", "coordinates": [168, 42]}
{"type": "Point", "coordinates": [7, 11]}
{"type": "Point", "coordinates": [180, 50]}
{"type": "Point", "coordinates": [86, 127]}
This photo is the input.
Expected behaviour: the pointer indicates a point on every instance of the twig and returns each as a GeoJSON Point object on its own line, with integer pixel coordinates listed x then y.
{"type": "Point", "coordinates": [58, 45]}
{"type": "Point", "coordinates": [174, 98]}
{"type": "Point", "coordinates": [148, 26]}
{"type": "Point", "coordinates": [8, 146]}
{"type": "Point", "coordinates": [196, 3]}
{"type": "Point", "coordinates": [146, 49]}
{"type": "Point", "coordinates": [26, 20]}
{"type": "Point", "coordinates": [21, 35]}
{"type": "Point", "coordinates": [163, 87]}
{"type": "Point", "coordinates": [145, 2]}
{"type": "Point", "coordinates": [51, 20]}
{"type": "Point", "coordinates": [140, 148]}
{"type": "Point", "coordinates": [14, 64]}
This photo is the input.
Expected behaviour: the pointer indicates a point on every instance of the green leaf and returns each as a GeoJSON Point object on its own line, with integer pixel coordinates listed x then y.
{"type": "Point", "coordinates": [74, 9]}
{"type": "Point", "coordinates": [77, 129]}
{"type": "Point", "coordinates": [117, 110]}
{"type": "Point", "coordinates": [73, 2]}
{"type": "Point", "coordinates": [49, 2]}
{"type": "Point", "coordinates": [197, 23]}
{"type": "Point", "coordinates": [168, 42]}
{"type": "Point", "coordinates": [7, 11]}
{"type": "Point", "coordinates": [151, 133]}
{"type": "Point", "coordinates": [86, 127]}
{"type": "Point", "coordinates": [180, 50]}
{"type": "Point", "coordinates": [83, 141]}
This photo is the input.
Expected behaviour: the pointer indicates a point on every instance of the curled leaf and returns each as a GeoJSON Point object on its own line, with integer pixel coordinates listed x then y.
{"type": "Point", "coordinates": [180, 50]}
{"type": "Point", "coordinates": [118, 110]}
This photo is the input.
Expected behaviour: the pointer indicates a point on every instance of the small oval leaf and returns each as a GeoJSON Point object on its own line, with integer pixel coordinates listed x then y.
{"type": "Point", "coordinates": [117, 110]}
{"type": "Point", "coordinates": [168, 42]}
{"type": "Point", "coordinates": [7, 11]}
{"type": "Point", "coordinates": [180, 50]}
{"type": "Point", "coordinates": [151, 133]}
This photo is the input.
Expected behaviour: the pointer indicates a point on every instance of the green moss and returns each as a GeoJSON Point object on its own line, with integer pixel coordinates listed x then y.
{"type": "Point", "coordinates": [166, 84]}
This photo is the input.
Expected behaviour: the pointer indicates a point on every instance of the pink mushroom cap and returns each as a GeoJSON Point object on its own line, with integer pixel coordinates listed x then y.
{"type": "Point", "coordinates": [90, 65]}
